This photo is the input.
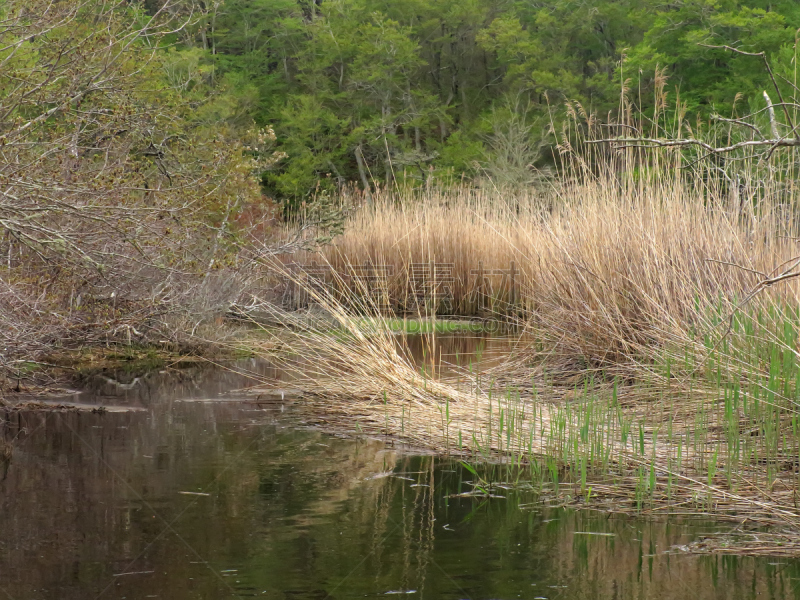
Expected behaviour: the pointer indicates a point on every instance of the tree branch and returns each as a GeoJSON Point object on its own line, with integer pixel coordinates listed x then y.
{"type": "Point", "coordinates": [685, 142]}
{"type": "Point", "coordinates": [763, 56]}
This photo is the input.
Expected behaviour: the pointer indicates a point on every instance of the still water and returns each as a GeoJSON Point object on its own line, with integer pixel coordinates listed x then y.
{"type": "Point", "coordinates": [191, 492]}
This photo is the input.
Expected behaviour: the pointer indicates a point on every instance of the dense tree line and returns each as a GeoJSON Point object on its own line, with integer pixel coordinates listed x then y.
{"type": "Point", "coordinates": [377, 91]}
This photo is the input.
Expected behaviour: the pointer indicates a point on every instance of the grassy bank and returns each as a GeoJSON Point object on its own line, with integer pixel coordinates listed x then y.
{"type": "Point", "coordinates": [657, 368]}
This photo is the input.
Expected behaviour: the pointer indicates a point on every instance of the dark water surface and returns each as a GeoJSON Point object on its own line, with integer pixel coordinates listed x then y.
{"type": "Point", "coordinates": [197, 495]}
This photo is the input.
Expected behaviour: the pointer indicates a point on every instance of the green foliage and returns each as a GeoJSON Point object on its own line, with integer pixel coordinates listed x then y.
{"type": "Point", "coordinates": [313, 137]}
{"type": "Point", "coordinates": [461, 153]}
{"type": "Point", "coordinates": [417, 87]}
{"type": "Point", "coordinates": [712, 77]}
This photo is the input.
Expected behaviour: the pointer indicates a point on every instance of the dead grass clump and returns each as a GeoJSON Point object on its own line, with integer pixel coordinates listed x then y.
{"type": "Point", "coordinates": [632, 388]}
{"type": "Point", "coordinates": [607, 276]}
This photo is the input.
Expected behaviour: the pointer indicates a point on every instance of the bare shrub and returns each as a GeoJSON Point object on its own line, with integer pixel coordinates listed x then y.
{"type": "Point", "coordinates": [115, 206]}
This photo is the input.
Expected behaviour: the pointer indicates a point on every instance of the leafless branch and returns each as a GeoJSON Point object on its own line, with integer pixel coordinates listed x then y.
{"type": "Point", "coordinates": [763, 56]}
{"type": "Point", "coordinates": [741, 123]}
{"type": "Point", "coordinates": [687, 142]}
{"type": "Point", "coordinates": [766, 282]}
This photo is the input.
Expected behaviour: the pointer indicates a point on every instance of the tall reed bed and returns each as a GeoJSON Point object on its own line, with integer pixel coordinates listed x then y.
{"type": "Point", "coordinates": [603, 271]}
{"type": "Point", "coordinates": [656, 370]}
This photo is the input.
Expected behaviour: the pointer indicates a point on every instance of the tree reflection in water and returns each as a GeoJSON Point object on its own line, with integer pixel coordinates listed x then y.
{"type": "Point", "coordinates": [92, 506]}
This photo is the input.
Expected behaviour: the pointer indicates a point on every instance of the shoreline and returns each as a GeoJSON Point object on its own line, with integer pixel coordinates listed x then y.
{"type": "Point", "coordinates": [608, 495]}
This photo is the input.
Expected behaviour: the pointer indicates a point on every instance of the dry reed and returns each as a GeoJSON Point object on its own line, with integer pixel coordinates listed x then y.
{"type": "Point", "coordinates": [629, 287]}
{"type": "Point", "coordinates": [606, 272]}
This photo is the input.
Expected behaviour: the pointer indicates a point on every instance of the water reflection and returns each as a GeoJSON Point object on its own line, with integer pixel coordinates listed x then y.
{"type": "Point", "coordinates": [189, 499]}
{"type": "Point", "coordinates": [445, 354]}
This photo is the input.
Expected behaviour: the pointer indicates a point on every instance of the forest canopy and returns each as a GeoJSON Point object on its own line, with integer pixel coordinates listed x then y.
{"type": "Point", "coordinates": [375, 91]}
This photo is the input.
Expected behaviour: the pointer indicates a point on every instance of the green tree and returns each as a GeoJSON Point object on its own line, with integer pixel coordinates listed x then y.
{"type": "Point", "coordinates": [710, 79]}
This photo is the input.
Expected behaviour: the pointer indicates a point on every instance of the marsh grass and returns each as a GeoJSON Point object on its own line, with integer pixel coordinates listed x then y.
{"type": "Point", "coordinates": [645, 376]}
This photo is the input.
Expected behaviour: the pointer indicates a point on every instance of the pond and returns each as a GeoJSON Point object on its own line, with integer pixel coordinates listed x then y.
{"type": "Point", "coordinates": [188, 491]}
